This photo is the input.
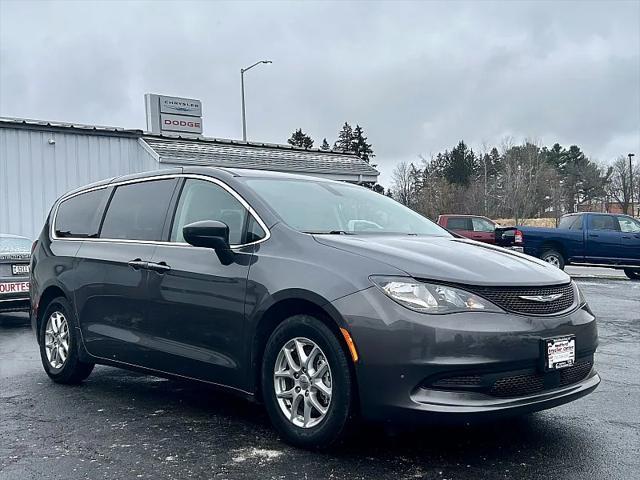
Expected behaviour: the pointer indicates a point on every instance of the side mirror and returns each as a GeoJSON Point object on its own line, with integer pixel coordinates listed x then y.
{"type": "Point", "coordinates": [210, 234]}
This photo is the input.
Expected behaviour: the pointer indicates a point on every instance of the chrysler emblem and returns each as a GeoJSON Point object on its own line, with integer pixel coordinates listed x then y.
{"type": "Point", "coordinates": [542, 298]}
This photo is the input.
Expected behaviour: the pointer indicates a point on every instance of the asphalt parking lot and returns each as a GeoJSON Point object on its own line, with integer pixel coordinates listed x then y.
{"type": "Point", "coordinates": [121, 425]}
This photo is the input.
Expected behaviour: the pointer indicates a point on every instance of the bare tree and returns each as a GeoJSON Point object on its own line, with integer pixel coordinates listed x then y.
{"type": "Point", "coordinates": [526, 180]}
{"type": "Point", "coordinates": [402, 185]}
{"type": "Point", "coordinates": [619, 186]}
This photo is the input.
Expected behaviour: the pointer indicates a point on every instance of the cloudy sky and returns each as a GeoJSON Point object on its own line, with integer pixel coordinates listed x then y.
{"type": "Point", "coordinates": [417, 76]}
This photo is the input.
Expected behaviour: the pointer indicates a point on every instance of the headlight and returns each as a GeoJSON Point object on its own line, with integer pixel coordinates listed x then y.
{"type": "Point", "coordinates": [431, 297]}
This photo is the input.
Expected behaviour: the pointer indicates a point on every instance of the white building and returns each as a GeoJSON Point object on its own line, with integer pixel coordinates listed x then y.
{"type": "Point", "coordinates": [39, 161]}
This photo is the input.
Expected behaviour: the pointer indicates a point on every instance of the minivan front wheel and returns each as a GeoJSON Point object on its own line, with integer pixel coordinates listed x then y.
{"type": "Point", "coordinates": [59, 344]}
{"type": "Point", "coordinates": [306, 383]}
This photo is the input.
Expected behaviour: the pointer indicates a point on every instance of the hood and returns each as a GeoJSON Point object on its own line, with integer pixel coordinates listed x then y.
{"type": "Point", "coordinates": [448, 259]}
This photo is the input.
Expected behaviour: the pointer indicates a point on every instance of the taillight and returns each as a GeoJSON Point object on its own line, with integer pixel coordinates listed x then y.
{"type": "Point", "coordinates": [517, 238]}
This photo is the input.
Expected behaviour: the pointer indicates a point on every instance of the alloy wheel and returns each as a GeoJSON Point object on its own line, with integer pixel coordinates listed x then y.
{"type": "Point", "coordinates": [56, 340]}
{"type": "Point", "coordinates": [302, 380]}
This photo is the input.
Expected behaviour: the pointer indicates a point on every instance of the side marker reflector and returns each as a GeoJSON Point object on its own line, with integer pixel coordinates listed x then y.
{"type": "Point", "coordinates": [350, 344]}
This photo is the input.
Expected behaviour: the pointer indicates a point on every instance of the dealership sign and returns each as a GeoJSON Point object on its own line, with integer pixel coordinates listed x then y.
{"type": "Point", "coordinates": [180, 123]}
{"type": "Point", "coordinates": [173, 115]}
{"type": "Point", "coordinates": [181, 106]}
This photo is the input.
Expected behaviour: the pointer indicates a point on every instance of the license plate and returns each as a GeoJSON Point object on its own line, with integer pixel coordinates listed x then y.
{"type": "Point", "coordinates": [560, 352]}
{"type": "Point", "coordinates": [14, 287]}
{"type": "Point", "coordinates": [20, 269]}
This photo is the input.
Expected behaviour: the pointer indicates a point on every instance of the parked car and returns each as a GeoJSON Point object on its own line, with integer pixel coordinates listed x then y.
{"type": "Point", "coordinates": [15, 253]}
{"type": "Point", "coordinates": [323, 300]}
{"type": "Point", "coordinates": [601, 239]}
{"type": "Point", "coordinates": [482, 229]}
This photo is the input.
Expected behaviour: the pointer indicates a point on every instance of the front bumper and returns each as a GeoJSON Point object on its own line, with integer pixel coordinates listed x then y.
{"type": "Point", "coordinates": [403, 355]}
{"type": "Point", "coordinates": [468, 405]}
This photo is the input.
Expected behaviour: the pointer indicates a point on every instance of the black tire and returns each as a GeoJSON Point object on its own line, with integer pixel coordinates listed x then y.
{"type": "Point", "coordinates": [72, 371]}
{"type": "Point", "coordinates": [553, 257]}
{"type": "Point", "coordinates": [632, 273]}
{"type": "Point", "coordinates": [334, 425]}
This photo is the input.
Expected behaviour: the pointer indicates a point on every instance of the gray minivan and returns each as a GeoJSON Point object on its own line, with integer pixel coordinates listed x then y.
{"type": "Point", "coordinates": [324, 300]}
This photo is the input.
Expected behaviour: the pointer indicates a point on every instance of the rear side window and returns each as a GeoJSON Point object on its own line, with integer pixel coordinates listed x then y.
{"type": "Point", "coordinates": [577, 224]}
{"type": "Point", "coordinates": [573, 222]}
{"type": "Point", "coordinates": [80, 215]}
{"type": "Point", "coordinates": [566, 222]}
{"type": "Point", "coordinates": [138, 211]}
{"type": "Point", "coordinates": [202, 200]}
{"type": "Point", "coordinates": [459, 223]}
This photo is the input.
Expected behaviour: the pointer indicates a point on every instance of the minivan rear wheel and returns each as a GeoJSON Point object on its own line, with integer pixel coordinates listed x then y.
{"type": "Point", "coordinates": [59, 344]}
{"type": "Point", "coordinates": [306, 383]}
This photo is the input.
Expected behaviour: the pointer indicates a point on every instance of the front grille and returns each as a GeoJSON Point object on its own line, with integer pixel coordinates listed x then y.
{"type": "Point", "coordinates": [462, 381]}
{"type": "Point", "coordinates": [575, 374]}
{"type": "Point", "coordinates": [515, 383]}
{"type": "Point", "coordinates": [519, 385]}
{"type": "Point", "coordinates": [509, 298]}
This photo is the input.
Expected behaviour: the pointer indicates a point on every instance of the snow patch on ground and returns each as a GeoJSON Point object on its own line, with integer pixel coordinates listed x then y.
{"type": "Point", "coordinates": [253, 453]}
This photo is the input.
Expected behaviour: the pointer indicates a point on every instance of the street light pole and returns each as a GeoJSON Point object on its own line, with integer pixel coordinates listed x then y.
{"type": "Point", "coordinates": [244, 121]}
{"type": "Point", "coordinates": [631, 183]}
{"type": "Point", "coordinates": [244, 115]}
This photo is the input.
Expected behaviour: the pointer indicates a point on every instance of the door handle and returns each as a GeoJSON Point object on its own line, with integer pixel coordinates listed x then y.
{"type": "Point", "coordinates": [161, 267]}
{"type": "Point", "coordinates": [137, 264]}
{"type": "Point", "coordinates": [594, 235]}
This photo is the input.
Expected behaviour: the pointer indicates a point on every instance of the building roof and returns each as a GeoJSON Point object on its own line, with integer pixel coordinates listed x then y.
{"type": "Point", "coordinates": [76, 127]}
{"type": "Point", "coordinates": [216, 152]}
{"type": "Point", "coordinates": [231, 154]}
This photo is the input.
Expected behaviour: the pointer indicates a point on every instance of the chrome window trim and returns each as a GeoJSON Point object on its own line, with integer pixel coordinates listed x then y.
{"type": "Point", "coordinates": [220, 183]}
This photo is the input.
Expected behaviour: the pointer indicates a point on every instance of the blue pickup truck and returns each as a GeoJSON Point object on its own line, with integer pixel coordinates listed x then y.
{"type": "Point", "coordinates": [601, 239]}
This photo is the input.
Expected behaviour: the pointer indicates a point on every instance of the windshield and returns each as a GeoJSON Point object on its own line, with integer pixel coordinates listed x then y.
{"type": "Point", "coordinates": [14, 245]}
{"type": "Point", "coordinates": [322, 207]}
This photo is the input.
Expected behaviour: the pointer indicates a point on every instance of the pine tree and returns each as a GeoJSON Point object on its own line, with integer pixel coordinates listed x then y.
{"type": "Point", "coordinates": [359, 145]}
{"type": "Point", "coordinates": [325, 145]}
{"type": "Point", "coordinates": [300, 139]}
{"type": "Point", "coordinates": [461, 165]}
{"type": "Point", "coordinates": [556, 156]}
{"type": "Point", "coordinates": [345, 139]}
